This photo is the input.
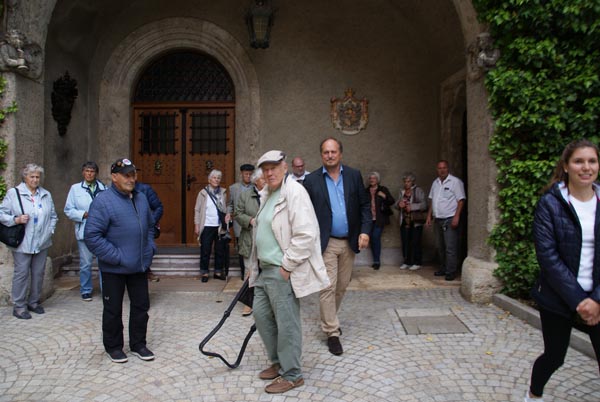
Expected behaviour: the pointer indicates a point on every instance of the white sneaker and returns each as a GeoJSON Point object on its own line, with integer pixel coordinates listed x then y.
{"type": "Point", "coordinates": [404, 266]}
{"type": "Point", "coordinates": [529, 399]}
{"type": "Point", "coordinates": [415, 267]}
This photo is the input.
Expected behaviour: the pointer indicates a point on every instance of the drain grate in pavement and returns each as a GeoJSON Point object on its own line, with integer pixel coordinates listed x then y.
{"type": "Point", "coordinates": [430, 321]}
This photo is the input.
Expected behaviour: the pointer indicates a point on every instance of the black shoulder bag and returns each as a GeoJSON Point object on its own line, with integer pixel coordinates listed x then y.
{"type": "Point", "coordinates": [244, 295]}
{"type": "Point", "coordinates": [12, 236]}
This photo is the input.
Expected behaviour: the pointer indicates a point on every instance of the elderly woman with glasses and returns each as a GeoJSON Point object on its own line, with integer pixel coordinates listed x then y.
{"type": "Point", "coordinates": [211, 225]}
{"type": "Point", "coordinates": [39, 218]}
{"type": "Point", "coordinates": [412, 204]}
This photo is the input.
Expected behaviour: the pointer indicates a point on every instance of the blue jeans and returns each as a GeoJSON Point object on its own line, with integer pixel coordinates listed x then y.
{"type": "Point", "coordinates": [85, 268]}
{"type": "Point", "coordinates": [375, 238]}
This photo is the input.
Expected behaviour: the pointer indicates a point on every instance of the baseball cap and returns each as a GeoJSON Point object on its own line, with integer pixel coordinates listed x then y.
{"type": "Point", "coordinates": [122, 166]}
{"type": "Point", "coordinates": [271, 157]}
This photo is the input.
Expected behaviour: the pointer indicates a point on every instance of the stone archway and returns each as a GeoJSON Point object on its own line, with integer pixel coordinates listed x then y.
{"type": "Point", "coordinates": [133, 53]}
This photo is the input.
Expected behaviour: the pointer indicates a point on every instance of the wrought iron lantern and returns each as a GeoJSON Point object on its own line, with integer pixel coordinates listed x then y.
{"type": "Point", "coordinates": [259, 20]}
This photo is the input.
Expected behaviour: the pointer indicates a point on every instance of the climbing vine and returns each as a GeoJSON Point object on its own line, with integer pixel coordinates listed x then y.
{"type": "Point", "coordinates": [543, 93]}
{"type": "Point", "coordinates": [4, 112]}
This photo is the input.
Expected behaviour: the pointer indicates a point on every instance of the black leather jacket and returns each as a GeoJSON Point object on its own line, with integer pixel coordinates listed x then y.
{"type": "Point", "coordinates": [557, 236]}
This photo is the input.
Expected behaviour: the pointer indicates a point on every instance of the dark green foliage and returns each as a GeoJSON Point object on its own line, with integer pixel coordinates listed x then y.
{"type": "Point", "coordinates": [544, 92]}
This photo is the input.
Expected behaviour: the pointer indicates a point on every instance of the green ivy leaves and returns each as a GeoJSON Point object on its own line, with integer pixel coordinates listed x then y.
{"type": "Point", "coordinates": [544, 92]}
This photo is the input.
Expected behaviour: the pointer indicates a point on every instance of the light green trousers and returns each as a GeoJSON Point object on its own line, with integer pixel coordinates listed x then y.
{"type": "Point", "coordinates": [276, 311]}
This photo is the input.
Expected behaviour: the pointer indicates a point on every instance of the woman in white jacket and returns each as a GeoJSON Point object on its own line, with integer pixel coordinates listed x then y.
{"type": "Point", "coordinates": [30, 257]}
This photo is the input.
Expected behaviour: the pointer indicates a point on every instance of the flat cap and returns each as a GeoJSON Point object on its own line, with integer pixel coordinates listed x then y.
{"type": "Point", "coordinates": [271, 157]}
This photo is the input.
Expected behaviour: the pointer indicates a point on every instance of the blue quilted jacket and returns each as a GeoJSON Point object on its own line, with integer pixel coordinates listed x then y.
{"type": "Point", "coordinates": [557, 236]}
{"type": "Point", "coordinates": [119, 231]}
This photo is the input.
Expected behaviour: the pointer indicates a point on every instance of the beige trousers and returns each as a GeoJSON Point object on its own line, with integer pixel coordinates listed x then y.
{"type": "Point", "coordinates": [339, 261]}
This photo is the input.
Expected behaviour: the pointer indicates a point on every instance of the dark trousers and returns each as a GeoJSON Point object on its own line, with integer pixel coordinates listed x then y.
{"type": "Point", "coordinates": [241, 259]}
{"type": "Point", "coordinates": [375, 240]}
{"type": "Point", "coordinates": [411, 244]}
{"type": "Point", "coordinates": [113, 290]}
{"type": "Point", "coordinates": [556, 331]}
{"type": "Point", "coordinates": [209, 239]}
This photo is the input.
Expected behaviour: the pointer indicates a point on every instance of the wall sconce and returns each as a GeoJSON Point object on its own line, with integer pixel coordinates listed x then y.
{"type": "Point", "coordinates": [259, 20]}
{"type": "Point", "coordinates": [63, 97]}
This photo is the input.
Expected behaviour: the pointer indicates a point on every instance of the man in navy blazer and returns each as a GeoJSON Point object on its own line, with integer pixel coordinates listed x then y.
{"type": "Point", "coordinates": [343, 210]}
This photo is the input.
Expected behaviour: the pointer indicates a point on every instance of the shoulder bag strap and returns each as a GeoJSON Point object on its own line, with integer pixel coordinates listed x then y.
{"type": "Point", "coordinates": [20, 203]}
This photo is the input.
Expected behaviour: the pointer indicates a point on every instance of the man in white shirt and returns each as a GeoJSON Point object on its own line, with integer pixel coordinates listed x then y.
{"type": "Point", "coordinates": [299, 173]}
{"type": "Point", "coordinates": [447, 198]}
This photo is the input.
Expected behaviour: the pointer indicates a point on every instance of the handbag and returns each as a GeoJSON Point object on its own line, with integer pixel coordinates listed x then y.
{"type": "Point", "coordinates": [12, 236]}
{"type": "Point", "coordinates": [418, 216]}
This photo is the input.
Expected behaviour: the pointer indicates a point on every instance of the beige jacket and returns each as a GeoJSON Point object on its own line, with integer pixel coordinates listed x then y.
{"type": "Point", "coordinates": [200, 207]}
{"type": "Point", "coordinates": [296, 230]}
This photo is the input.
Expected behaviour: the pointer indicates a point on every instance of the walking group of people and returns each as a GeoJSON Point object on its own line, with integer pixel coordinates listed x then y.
{"type": "Point", "coordinates": [298, 234]}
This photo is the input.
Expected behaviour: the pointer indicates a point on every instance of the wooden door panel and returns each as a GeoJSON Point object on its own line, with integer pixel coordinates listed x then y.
{"type": "Point", "coordinates": [209, 145]}
{"type": "Point", "coordinates": [175, 148]}
{"type": "Point", "coordinates": [157, 155]}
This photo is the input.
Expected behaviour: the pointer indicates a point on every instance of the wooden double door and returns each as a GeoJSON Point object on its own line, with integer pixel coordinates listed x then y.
{"type": "Point", "coordinates": [175, 147]}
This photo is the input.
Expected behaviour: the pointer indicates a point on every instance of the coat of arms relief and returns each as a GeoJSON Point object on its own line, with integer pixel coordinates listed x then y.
{"type": "Point", "coordinates": [349, 115]}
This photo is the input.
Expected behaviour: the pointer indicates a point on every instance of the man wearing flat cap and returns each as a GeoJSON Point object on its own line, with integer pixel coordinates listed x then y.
{"type": "Point", "coordinates": [287, 248]}
{"type": "Point", "coordinates": [119, 231]}
{"type": "Point", "coordinates": [235, 191]}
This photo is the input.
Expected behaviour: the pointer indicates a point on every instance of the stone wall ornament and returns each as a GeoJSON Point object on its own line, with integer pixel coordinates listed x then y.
{"type": "Point", "coordinates": [63, 97]}
{"type": "Point", "coordinates": [18, 55]}
{"type": "Point", "coordinates": [482, 56]}
{"type": "Point", "coordinates": [349, 115]}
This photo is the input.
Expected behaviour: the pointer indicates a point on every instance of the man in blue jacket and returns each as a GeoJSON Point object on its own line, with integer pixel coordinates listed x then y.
{"type": "Point", "coordinates": [119, 232]}
{"type": "Point", "coordinates": [157, 209]}
{"type": "Point", "coordinates": [344, 213]}
{"type": "Point", "coordinates": [78, 203]}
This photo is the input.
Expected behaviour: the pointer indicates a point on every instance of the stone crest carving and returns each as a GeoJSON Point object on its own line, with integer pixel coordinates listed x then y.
{"type": "Point", "coordinates": [63, 97]}
{"type": "Point", "coordinates": [482, 56]}
{"type": "Point", "coordinates": [349, 115]}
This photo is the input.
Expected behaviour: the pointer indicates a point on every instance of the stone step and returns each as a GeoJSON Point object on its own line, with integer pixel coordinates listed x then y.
{"type": "Point", "coordinates": [164, 264]}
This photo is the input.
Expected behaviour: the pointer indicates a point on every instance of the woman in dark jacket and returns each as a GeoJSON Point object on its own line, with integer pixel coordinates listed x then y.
{"type": "Point", "coordinates": [381, 202]}
{"type": "Point", "coordinates": [566, 231]}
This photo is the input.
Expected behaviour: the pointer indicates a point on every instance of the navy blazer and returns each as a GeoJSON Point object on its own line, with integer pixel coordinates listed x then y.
{"type": "Point", "coordinates": [358, 205]}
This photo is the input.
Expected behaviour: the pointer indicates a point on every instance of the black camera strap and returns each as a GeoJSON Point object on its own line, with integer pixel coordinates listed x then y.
{"type": "Point", "coordinates": [243, 296]}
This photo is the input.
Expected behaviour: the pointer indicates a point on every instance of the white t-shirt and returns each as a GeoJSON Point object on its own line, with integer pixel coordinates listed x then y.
{"type": "Point", "coordinates": [212, 217]}
{"type": "Point", "coordinates": [586, 212]}
{"type": "Point", "coordinates": [445, 196]}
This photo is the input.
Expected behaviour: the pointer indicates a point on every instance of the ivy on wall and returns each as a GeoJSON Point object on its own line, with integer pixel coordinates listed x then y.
{"type": "Point", "coordinates": [4, 111]}
{"type": "Point", "coordinates": [544, 92]}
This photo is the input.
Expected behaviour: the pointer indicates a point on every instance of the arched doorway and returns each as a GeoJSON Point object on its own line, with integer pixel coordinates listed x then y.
{"type": "Point", "coordinates": [183, 115]}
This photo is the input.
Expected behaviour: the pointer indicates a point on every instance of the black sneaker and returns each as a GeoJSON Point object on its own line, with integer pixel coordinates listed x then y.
{"type": "Point", "coordinates": [143, 353]}
{"type": "Point", "coordinates": [335, 347]}
{"type": "Point", "coordinates": [86, 297]}
{"type": "Point", "coordinates": [117, 356]}
{"type": "Point", "coordinates": [23, 315]}
{"type": "Point", "coordinates": [37, 309]}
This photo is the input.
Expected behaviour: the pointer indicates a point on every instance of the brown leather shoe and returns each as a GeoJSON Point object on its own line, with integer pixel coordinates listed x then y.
{"type": "Point", "coordinates": [281, 385]}
{"type": "Point", "coordinates": [270, 373]}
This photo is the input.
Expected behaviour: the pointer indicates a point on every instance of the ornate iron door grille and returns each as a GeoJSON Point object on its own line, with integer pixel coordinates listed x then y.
{"type": "Point", "coordinates": [158, 133]}
{"type": "Point", "coordinates": [209, 133]}
{"type": "Point", "coordinates": [185, 76]}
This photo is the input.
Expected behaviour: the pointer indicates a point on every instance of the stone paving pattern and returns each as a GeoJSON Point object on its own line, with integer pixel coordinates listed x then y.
{"type": "Point", "coordinates": [59, 356]}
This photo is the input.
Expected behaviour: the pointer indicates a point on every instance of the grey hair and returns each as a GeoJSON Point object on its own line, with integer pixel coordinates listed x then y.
{"type": "Point", "coordinates": [257, 174]}
{"type": "Point", "coordinates": [32, 168]}
{"type": "Point", "coordinates": [377, 176]}
{"type": "Point", "coordinates": [214, 173]}
{"type": "Point", "coordinates": [410, 176]}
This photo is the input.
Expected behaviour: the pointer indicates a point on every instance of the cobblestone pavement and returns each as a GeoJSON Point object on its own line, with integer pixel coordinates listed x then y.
{"type": "Point", "coordinates": [59, 356]}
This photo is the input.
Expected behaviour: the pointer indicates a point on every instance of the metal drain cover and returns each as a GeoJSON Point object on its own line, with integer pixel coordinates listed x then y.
{"type": "Point", "coordinates": [430, 321]}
